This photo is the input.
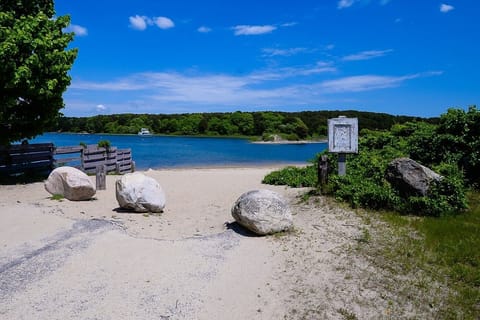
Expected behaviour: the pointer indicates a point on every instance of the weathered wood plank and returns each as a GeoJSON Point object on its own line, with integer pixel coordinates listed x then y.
{"type": "Point", "coordinates": [67, 150]}
{"type": "Point", "coordinates": [24, 167]}
{"type": "Point", "coordinates": [27, 147]}
{"type": "Point", "coordinates": [67, 160]}
{"type": "Point", "coordinates": [93, 157]}
{"type": "Point", "coordinates": [29, 157]}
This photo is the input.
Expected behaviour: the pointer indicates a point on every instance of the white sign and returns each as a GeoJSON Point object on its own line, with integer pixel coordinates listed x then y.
{"type": "Point", "coordinates": [343, 135]}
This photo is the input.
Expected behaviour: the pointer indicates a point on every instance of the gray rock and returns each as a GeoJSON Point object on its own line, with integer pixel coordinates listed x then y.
{"type": "Point", "coordinates": [263, 212]}
{"type": "Point", "coordinates": [70, 183]}
{"type": "Point", "coordinates": [139, 193]}
{"type": "Point", "coordinates": [409, 177]}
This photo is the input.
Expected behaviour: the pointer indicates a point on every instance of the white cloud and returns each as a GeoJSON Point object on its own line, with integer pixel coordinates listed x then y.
{"type": "Point", "coordinates": [204, 29]}
{"type": "Point", "coordinates": [78, 30]}
{"type": "Point", "coordinates": [446, 8]}
{"type": "Point", "coordinates": [370, 82]}
{"type": "Point", "coordinates": [366, 55]}
{"type": "Point", "coordinates": [253, 30]}
{"type": "Point", "coordinates": [271, 52]}
{"type": "Point", "coordinates": [100, 108]}
{"type": "Point", "coordinates": [342, 4]}
{"type": "Point", "coordinates": [345, 3]}
{"type": "Point", "coordinates": [362, 83]}
{"type": "Point", "coordinates": [169, 92]}
{"type": "Point", "coordinates": [289, 24]}
{"type": "Point", "coordinates": [138, 22]}
{"type": "Point", "coordinates": [164, 22]}
{"type": "Point", "coordinates": [142, 22]}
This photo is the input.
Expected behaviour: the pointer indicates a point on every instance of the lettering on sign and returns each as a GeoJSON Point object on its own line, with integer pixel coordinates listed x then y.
{"type": "Point", "coordinates": [343, 135]}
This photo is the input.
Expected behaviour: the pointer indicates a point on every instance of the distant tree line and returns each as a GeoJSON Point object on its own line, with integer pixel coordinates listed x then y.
{"type": "Point", "coordinates": [290, 125]}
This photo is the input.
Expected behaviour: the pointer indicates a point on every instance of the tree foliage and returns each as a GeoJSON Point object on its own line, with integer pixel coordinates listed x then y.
{"type": "Point", "coordinates": [34, 65]}
{"type": "Point", "coordinates": [293, 126]}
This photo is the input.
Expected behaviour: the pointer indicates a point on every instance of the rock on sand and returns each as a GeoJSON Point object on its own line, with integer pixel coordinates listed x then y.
{"type": "Point", "coordinates": [70, 183]}
{"type": "Point", "coordinates": [137, 192]}
{"type": "Point", "coordinates": [263, 212]}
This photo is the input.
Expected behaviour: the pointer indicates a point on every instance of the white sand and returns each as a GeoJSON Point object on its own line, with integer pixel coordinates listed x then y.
{"type": "Point", "coordinates": [84, 260]}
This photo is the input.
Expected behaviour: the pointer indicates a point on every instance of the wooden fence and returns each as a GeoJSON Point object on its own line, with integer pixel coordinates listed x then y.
{"type": "Point", "coordinates": [45, 157]}
{"type": "Point", "coordinates": [26, 157]}
{"type": "Point", "coordinates": [89, 158]}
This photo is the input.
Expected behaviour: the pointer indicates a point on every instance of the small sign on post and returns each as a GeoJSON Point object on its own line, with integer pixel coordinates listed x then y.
{"type": "Point", "coordinates": [342, 139]}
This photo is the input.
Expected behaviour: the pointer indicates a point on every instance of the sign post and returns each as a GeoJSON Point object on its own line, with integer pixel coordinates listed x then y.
{"type": "Point", "coordinates": [342, 139]}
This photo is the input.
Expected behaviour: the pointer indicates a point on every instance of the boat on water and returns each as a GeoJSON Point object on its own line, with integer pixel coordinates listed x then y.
{"type": "Point", "coordinates": [144, 132]}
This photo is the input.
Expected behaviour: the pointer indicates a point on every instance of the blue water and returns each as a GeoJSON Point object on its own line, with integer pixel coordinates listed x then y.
{"type": "Point", "coordinates": [172, 152]}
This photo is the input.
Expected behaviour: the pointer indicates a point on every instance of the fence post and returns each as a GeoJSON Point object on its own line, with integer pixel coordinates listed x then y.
{"type": "Point", "coordinates": [322, 171]}
{"type": "Point", "coordinates": [101, 177]}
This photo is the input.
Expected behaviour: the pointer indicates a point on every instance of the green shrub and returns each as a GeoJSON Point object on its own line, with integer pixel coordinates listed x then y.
{"type": "Point", "coordinates": [293, 177]}
{"type": "Point", "coordinates": [451, 148]}
{"type": "Point", "coordinates": [104, 144]}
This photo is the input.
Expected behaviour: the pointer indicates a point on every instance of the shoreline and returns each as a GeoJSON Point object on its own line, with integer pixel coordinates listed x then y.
{"type": "Point", "coordinates": [291, 142]}
{"type": "Point", "coordinates": [239, 166]}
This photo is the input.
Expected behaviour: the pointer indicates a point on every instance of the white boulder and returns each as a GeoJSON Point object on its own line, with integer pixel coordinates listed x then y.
{"type": "Point", "coordinates": [139, 193]}
{"type": "Point", "coordinates": [262, 212]}
{"type": "Point", "coordinates": [70, 183]}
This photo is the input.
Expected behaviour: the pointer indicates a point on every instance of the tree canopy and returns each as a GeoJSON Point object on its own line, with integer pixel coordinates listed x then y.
{"type": "Point", "coordinates": [34, 65]}
{"type": "Point", "coordinates": [292, 126]}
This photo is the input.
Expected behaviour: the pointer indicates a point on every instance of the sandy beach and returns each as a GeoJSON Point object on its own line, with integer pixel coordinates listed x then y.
{"type": "Point", "coordinates": [86, 260]}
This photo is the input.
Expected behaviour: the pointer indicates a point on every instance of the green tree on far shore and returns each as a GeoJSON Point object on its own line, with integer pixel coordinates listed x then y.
{"type": "Point", "coordinates": [34, 65]}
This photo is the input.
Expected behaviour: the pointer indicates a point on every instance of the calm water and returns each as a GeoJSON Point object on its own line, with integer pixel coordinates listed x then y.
{"type": "Point", "coordinates": [170, 152]}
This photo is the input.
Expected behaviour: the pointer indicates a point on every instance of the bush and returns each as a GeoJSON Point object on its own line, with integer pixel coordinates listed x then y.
{"type": "Point", "coordinates": [293, 177]}
{"type": "Point", "coordinates": [451, 149]}
{"type": "Point", "coordinates": [104, 144]}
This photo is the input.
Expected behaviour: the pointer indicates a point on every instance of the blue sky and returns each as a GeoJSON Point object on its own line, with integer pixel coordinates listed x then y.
{"type": "Point", "coordinates": [395, 56]}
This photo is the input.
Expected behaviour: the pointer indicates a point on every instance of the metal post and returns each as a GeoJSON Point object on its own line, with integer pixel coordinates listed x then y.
{"type": "Point", "coordinates": [342, 164]}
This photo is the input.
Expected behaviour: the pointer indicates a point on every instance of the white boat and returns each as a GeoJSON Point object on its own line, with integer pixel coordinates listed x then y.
{"type": "Point", "coordinates": [144, 132]}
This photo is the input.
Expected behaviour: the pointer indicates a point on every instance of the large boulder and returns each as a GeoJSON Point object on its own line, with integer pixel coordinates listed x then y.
{"type": "Point", "coordinates": [409, 177]}
{"type": "Point", "coordinates": [262, 212]}
{"type": "Point", "coordinates": [139, 193]}
{"type": "Point", "coordinates": [70, 183]}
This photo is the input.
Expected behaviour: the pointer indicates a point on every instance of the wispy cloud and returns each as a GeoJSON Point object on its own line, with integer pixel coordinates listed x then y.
{"type": "Point", "coordinates": [289, 24]}
{"type": "Point", "coordinates": [342, 4]}
{"type": "Point", "coordinates": [446, 8]}
{"type": "Point", "coordinates": [271, 52]}
{"type": "Point", "coordinates": [78, 30]}
{"type": "Point", "coordinates": [247, 30]}
{"type": "Point", "coordinates": [204, 29]}
{"type": "Point", "coordinates": [141, 23]}
{"type": "Point", "coordinates": [366, 55]}
{"type": "Point", "coordinates": [345, 4]}
{"type": "Point", "coordinates": [168, 91]}
{"type": "Point", "coordinates": [370, 82]}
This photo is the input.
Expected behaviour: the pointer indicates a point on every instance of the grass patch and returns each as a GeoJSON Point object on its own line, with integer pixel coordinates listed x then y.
{"type": "Point", "coordinates": [445, 248]}
{"type": "Point", "coordinates": [57, 197]}
{"type": "Point", "coordinates": [454, 242]}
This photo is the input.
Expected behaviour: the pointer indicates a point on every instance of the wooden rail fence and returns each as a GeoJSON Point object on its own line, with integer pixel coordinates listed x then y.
{"type": "Point", "coordinates": [26, 157]}
{"type": "Point", "coordinates": [45, 157]}
{"type": "Point", "coordinates": [89, 158]}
